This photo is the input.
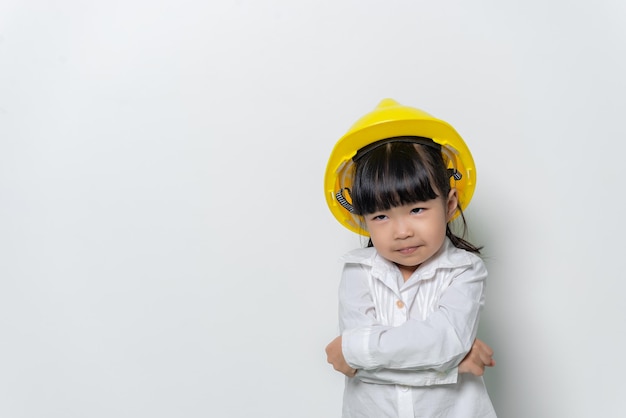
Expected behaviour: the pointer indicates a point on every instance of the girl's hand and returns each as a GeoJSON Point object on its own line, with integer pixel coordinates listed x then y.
{"type": "Point", "coordinates": [479, 357]}
{"type": "Point", "coordinates": [334, 356]}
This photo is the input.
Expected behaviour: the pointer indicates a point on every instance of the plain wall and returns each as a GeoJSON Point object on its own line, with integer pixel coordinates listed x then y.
{"type": "Point", "coordinates": [165, 247]}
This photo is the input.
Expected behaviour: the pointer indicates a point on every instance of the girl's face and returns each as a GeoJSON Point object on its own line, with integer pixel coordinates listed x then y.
{"type": "Point", "coordinates": [409, 235]}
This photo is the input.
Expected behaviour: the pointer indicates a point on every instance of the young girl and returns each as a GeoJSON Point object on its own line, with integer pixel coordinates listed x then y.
{"type": "Point", "coordinates": [409, 304]}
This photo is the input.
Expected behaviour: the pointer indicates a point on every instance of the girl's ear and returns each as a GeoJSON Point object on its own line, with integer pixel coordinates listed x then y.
{"type": "Point", "coordinates": [452, 204]}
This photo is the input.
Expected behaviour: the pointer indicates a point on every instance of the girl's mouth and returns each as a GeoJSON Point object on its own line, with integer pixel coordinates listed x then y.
{"type": "Point", "coordinates": [407, 250]}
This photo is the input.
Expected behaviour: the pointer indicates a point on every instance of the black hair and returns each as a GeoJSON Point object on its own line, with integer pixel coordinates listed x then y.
{"type": "Point", "coordinates": [401, 171]}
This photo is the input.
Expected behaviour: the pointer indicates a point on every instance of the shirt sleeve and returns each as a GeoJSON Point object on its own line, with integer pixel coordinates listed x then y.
{"type": "Point", "coordinates": [435, 345]}
{"type": "Point", "coordinates": [408, 377]}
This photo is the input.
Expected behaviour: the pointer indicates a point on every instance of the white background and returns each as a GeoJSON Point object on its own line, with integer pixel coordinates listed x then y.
{"type": "Point", "coordinates": [165, 248]}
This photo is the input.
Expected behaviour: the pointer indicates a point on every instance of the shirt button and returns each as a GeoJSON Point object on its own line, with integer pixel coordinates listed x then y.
{"type": "Point", "coordinates": [404, 388]}
{"type": "Point", "coordinates": [400, 304]}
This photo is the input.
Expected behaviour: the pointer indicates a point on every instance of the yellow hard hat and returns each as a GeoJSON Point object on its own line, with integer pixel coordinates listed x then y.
{"type": "Point", "coordinates": [391, 119]}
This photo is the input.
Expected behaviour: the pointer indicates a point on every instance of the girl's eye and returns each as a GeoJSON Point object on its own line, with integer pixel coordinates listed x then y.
{"type": "Point", "coordinates": [417, 210]}
{"type": "Point", "coordinates": [379, 217]}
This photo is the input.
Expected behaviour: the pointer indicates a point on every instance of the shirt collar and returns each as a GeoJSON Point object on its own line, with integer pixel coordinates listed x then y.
{"type": "Point", "coordinates": [448, 257]}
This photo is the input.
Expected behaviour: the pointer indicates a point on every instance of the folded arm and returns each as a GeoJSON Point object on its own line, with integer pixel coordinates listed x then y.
{"type": "Point", "coordinates": [418, 351]}
{"type": "Point", "coordinates": [479, 357]}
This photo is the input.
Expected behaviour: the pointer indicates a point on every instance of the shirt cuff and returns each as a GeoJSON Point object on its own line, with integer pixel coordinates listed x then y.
{"type": "Point", "coordinates": [355, 348]}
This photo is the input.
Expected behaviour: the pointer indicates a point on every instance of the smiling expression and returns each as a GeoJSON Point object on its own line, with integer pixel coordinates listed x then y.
{"type": "Point", "coordinates": [408, 235]}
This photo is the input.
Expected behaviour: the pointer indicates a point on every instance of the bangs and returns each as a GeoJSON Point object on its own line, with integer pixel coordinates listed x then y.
{"type": "Point", "coordinates": [396, 174]}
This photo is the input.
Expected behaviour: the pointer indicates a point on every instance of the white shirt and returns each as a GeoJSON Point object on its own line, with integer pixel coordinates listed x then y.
{"type": "Point", "coordinates": [407, 338]}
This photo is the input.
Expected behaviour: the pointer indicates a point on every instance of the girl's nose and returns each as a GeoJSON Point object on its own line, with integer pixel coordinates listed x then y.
{"type": "Point", "coordinates": [402, 230]}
